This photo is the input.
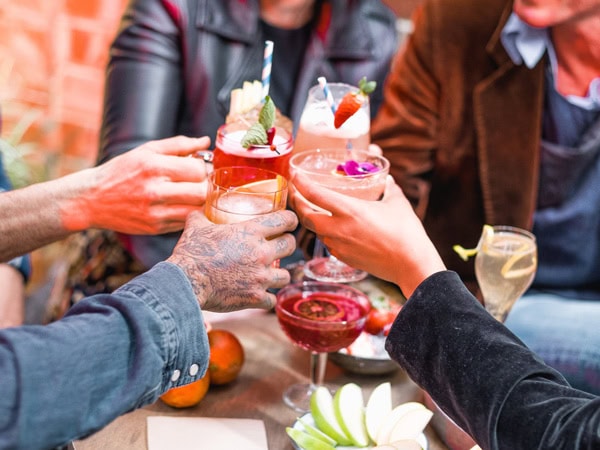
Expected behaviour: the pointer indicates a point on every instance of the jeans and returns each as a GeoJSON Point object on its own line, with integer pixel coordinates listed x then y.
{"type": "Point", "coordinates": [564, 332]}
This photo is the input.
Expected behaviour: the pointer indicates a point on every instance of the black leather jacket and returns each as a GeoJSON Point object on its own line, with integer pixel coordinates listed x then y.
{"type": "Point", "coordinates": [174, 63]}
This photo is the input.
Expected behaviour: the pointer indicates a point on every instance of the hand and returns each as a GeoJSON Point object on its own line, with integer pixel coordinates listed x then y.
{"type": "Point", "coordinates": [148, 190]}
{"type": "Point", "coordinates": [384, 238]}
{"type": "Point", "coordinates": [231, 266]}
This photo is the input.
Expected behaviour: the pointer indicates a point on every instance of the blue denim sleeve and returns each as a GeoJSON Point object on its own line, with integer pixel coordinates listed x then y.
{"type": "Point", "coordinates": [111, 354]}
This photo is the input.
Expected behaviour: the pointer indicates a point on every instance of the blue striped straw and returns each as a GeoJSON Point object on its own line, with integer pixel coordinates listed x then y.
{"type": "Point", "coordinates": [327, 93]}
{"type": "Point", "coordinates": [266, 73]}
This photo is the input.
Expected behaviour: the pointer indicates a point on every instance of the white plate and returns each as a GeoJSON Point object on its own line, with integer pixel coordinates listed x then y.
{"type": "Point", "coordinates": [308, 418]}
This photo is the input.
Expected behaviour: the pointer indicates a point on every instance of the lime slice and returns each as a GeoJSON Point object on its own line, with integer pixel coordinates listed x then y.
{"type": "Point", "coordinates": [319, 309]}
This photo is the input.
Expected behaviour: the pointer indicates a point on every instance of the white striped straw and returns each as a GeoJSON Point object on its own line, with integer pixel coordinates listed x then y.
{"type": "Point", "coordinates": [266, 73]}
{"type": "Point", "coordinates": [327, 93]}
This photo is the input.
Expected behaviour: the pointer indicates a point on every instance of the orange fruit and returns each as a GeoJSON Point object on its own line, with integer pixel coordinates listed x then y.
{"type": "Point", "coordinates": [226, 356]}
{"type": "Point", "coordinates": [187, 395]}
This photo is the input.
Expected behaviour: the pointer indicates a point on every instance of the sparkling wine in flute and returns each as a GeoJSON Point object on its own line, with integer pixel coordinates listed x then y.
{"type": "Point", "coordinates": [505, 266]}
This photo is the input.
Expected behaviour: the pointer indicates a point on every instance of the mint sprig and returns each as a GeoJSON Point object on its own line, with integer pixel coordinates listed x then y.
{"type": "Point", "coordinates": [257, 133]}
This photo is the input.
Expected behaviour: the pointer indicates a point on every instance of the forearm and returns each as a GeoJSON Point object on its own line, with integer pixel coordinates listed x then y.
{"type": "Point", "coordinates": [12, 297]}
{"type": "Point", "coordinates": [42, 213]}
{"type": "Point", "coordinates": [109, 355]}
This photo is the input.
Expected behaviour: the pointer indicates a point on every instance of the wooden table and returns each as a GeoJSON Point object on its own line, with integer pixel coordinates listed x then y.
{"type": "Point", "coordinates": [272, 364]}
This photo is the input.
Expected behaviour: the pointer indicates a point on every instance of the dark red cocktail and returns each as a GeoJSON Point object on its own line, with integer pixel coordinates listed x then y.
{"type": "Point", "coordinates": [320, 317]}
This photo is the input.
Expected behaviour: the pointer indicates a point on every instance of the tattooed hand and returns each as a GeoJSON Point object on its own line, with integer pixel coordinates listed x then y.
{"type": "Point", "coordinates": [230, 266]}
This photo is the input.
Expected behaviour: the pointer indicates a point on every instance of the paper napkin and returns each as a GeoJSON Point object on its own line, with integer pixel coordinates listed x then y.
{"type": "Point", "coordinates": [196, 433]}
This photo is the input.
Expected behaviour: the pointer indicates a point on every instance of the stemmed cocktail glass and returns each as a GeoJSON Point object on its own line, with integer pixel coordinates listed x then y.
{"type": "Point", "coordinates": [505, 266]}
{"type": "Point", "coordinates": [364, 179]}
{"type": "Point", "coordinates": [321, 318]}
{"type": "Point", "coordinates": [316, 127]}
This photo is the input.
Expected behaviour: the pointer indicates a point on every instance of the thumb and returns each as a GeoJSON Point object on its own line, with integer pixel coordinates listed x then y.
{"type": "Point", "coordinates": [197, 219]}
{"type": "Point", "coordinates": [392, 190]}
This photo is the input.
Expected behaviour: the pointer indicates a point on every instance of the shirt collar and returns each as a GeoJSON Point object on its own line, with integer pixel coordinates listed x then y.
{"type": "Point", "coordinates": [527, 45]}
{"type": "Point", "coordinates": [524, 43]}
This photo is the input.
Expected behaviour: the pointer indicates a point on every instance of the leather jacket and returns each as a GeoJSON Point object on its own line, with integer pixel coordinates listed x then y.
{"type": "Point", "coordinates": [174, 63]}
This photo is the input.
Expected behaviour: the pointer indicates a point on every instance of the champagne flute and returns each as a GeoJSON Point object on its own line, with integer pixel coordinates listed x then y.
{"type": "Point", "coordinates": [323, 167]}
{"type": "Point", "coordinates": [505, 266]}
{"type": "Point", "coordinates": [319, 317]}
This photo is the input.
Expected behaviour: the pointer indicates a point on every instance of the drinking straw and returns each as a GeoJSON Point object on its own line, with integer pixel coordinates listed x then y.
{"type": "Point", "coordinates": [328, 96]}
{"type": "Point", "coordinates": [267, 63]}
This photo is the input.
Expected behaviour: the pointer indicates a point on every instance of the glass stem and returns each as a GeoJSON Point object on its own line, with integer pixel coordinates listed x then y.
{"type": "Point", "coordinates": [318, 362]}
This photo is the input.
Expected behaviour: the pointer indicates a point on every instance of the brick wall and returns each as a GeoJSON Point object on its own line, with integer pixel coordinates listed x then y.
{"type": "Point", "coordinates": [52, 59]}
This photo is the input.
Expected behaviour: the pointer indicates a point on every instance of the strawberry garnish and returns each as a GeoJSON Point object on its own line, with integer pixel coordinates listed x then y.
{"type": "Point", "coordinates": [352, 101]}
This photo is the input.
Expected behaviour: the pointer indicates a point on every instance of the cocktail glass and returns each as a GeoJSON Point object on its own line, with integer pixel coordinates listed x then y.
{"type": "Point", "coordinates": [316, 127]}
{"type": "Point", "coordinates": [505, 266]}
{"type": "Point", "coordinates": [321, 318]}
{"type": "Point", "coordinates": [321, 166]}
{"type": "Point", "coordinates": [230, 152]}
{"type": "Point", "coordinates": [240, 193]}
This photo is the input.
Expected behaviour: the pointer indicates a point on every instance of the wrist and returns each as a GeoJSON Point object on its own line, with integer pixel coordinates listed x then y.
{"type": "Point", "coordinates": [418, 271]}
{"type": "Point", "coordinates": [190, 269]}
{"type": "Point", "coordinates": [74, 199]}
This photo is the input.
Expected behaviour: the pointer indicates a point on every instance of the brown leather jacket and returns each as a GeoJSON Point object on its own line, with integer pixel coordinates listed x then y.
{"type": "Point", "coordinates": [460, 124]}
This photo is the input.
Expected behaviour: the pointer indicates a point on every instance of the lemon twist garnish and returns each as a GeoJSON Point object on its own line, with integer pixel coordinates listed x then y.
{"type": "Point", "coordinates": [506, 271]}
{"type": "Point", "coordinates": [465, 253]}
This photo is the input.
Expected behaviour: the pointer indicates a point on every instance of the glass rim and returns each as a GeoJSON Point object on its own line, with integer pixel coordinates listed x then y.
{"type": "Point", "coordinates": [330, 150]}
{"type": "Point", "coordinates": [337, 286]}
{"type": "Point", "coordinates": [508, 229]}
{"type": "Point", "coordinates": [221, 135]}
{"type": "Point", "coordinates": [282, 182]}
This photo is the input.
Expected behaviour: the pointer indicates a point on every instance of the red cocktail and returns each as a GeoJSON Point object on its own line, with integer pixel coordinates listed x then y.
{"type": "Point", "coordinates": [319, 317]}
{"type": "Point", "coordinates": [230, 152]}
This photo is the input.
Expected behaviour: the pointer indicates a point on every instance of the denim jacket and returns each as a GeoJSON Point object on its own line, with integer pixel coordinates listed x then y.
{"type": "Point", "coordinates": [111, 354]}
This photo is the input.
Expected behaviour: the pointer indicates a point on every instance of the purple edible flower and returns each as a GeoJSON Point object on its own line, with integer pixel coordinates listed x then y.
{"type": "Point", "coordinates": [353, 168]}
